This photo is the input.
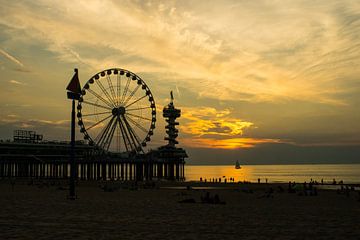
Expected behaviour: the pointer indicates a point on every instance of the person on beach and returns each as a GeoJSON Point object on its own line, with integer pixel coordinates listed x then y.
{"type": "Point", "coordinates": [211, 200]}
{"type": "Point", "coordinates": [290, 188]}
{"type": "Point", "coordinates": [207, 198]}
{"type": "Point", "coordinates": [305, 189]}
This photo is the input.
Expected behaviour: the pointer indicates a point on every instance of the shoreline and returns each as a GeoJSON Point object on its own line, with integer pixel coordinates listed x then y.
{"type": "Point", "coordinates": [176, 185]}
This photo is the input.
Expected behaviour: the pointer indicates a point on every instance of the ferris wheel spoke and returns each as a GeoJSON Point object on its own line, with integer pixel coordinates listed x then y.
{"type": "Point", "coordinates": [111, 88]}
{"type": "Point", "coordinates": [122, 133]}
{"type": "Point", "coordinates": [103, 132]}
{"type": "Point", "coordinates": [105, 140]}
{"type": "Point", "coordinates": [132, 134]}
{"type": "Point", "coordinates": [134, 115]}
{"type": "Point", "coordinates": [102, 120]}
{"type": "Point", "coordinates": [135, 109]}
{"type": "Point", "coordinates": [118, 140]}
{"type": "Point", "coordinates": [136, 101]}
{"type": "Point", "coordinates": [137, 124]}
{"type": "Point", "coordinates": [110, 135]}
{"type": "Point", "coordinates": [131, 137]}
{"type": "Point", "coordinates": [96, 105]}
{"type": "Point", "coordinates": [126, 138]}
{"type": "Point", "coordinates": [118, 86]}
{"type": "Point", "coordinates": [135, 138]}
{"type": "Point", "coordinates": [95, 114]}
{"type": "Point", "coordinates": [100, 139]}
{"type": "Point", "coordinates": [105, 92]}
{"type": "Point", "coordinates": [126, 89]}
{"type": "Point", "coordinates": [99, 97]}
{"type": "Point", "coordinates": [131, 94]}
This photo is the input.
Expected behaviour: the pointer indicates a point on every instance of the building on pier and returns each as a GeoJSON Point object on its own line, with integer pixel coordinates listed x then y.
{"type": "Point", "coordinates": [170, 157]}
{"type": "Point", "coordinates": [28, 156]}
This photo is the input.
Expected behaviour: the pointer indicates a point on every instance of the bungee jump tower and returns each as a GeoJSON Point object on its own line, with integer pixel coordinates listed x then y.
{"type": "Point", "coordinates": [171, 159]}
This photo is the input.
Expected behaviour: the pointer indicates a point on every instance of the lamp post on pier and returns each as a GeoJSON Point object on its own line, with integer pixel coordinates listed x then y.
{"type": "Point", "coordinates": [73, 92]}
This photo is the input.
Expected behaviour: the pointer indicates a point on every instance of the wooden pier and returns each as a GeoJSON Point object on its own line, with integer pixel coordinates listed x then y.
{"type": "Point", "coordinates": [51, 161]}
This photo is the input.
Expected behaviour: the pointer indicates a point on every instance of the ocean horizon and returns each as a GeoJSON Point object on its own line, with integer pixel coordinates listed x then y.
{"type": "Point", "coordinates": [272, 173]}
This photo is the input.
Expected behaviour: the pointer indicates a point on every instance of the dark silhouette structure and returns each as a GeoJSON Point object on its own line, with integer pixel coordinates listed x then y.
{"type": "Point", "coordinates": [170, 159]}
{"type": "Point", "coordinates": [23, 136]}
{"type": "Point", "coordinates": [116, 114]}
{"type": "Point", "coordinates": [73, 93]}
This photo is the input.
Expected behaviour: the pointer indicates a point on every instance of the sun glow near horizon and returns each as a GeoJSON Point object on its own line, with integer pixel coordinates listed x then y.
{"type": "Point", "coordinates": [264, 72]}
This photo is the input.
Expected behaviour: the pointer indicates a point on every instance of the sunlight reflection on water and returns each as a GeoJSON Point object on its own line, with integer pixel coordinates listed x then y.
{"type": "Point", "coordinates": [349, 173]}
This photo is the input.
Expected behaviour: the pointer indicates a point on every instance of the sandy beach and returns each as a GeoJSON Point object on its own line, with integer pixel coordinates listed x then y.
{"type": "Point", "coordinates": [123, 211]}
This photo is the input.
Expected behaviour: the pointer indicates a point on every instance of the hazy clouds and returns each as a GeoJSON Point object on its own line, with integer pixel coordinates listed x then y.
{"type": "Point", "coordinates": [277, 71]}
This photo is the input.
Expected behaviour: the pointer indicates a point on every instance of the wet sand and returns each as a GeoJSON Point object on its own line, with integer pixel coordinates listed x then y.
{"type": "Point", "coordinates": [42, 211]}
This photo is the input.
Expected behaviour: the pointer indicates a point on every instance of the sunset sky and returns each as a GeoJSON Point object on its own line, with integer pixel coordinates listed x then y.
{"type": "Point", "coordinates": [252, 78]}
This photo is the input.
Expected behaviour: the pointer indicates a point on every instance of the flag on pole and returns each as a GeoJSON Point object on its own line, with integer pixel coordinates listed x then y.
{"type": "Point", "coordinates": [74, 88]}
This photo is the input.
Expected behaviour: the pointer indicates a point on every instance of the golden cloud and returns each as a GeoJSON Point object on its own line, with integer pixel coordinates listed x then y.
{"type": "Point", "coordinates": [212, 128]}
{"type": "Point", "coordinates": [231, 143]}
{"type": "Point", "coordinates": [209, 121]}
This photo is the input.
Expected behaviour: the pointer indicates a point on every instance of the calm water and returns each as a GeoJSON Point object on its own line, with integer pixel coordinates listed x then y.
{"type": "Point", "coordinates": [349, 173]}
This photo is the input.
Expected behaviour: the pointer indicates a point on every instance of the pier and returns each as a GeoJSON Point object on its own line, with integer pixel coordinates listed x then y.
{"type": "Point", "coordinates": [51, 161]}
{"type": "Point", "coordinates": [116, 114]}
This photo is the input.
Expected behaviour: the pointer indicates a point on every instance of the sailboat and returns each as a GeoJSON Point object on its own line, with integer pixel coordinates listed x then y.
{"type": "Point", "coordinates": [237, 165]}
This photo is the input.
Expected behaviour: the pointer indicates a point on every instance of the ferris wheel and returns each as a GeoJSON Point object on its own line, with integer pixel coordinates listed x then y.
{"type": "Point", "coordinates": [116, 111]}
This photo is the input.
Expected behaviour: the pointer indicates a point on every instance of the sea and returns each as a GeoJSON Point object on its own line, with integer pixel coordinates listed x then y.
{"type": "Point", "coordinates": [348, 173]}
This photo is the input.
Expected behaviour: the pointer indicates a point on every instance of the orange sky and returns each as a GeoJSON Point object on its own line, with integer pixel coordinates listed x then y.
{"type": "Point", "coordinates": [243, 73]}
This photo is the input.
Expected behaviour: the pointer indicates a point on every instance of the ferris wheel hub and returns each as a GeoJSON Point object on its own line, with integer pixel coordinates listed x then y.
{"type": "Point", "coordinates": [118, 111]}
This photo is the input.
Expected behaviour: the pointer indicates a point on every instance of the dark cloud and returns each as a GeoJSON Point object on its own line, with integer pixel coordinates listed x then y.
{"type": "Point", "coordinates": [52, 130]}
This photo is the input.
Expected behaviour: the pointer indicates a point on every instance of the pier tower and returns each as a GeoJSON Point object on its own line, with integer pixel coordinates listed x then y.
{"type": "Point", "coordinates": [170, 113]}
{"type": "Point", "coordinates": [170, 159]}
